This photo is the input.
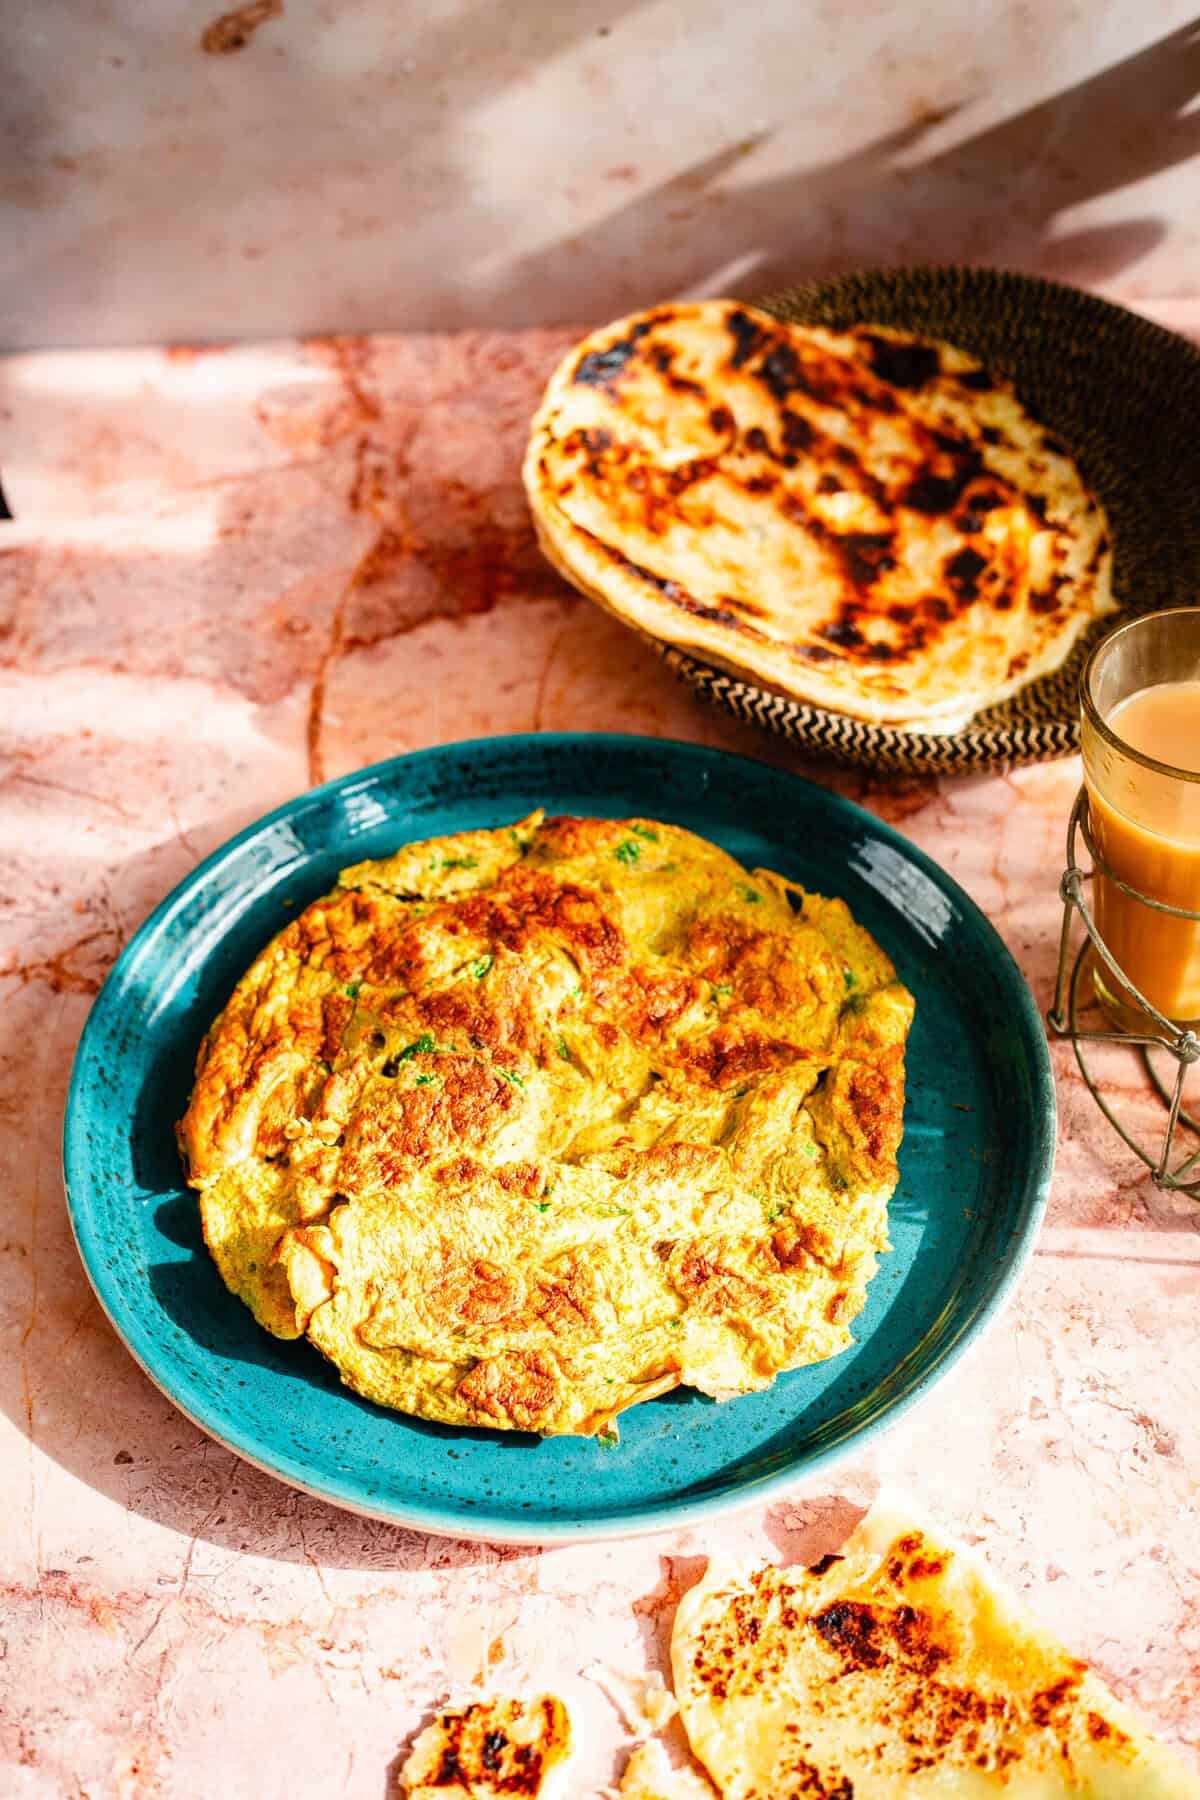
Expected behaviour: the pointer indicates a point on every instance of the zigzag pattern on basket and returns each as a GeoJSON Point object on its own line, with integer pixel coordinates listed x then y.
{"type": "Point", "coordinates": [855, 741]}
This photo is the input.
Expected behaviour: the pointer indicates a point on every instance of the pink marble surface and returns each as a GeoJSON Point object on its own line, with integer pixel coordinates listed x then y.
{"type": "Point", "coordinates": [238, 573]}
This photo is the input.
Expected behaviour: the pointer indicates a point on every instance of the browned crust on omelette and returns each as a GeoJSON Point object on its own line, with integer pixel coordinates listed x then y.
{"type": "Point", "coordinates": [863, 519]}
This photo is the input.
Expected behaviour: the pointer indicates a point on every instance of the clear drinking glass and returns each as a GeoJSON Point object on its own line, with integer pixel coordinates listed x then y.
{"type": "Point", "coordinates": [1145, 813]}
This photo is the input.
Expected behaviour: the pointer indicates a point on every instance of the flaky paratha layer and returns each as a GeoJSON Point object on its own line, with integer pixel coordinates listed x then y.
{"type": "Point", "coordinates": [523, 1127]}
{"type": "Point", "coordinates": [865, 520]}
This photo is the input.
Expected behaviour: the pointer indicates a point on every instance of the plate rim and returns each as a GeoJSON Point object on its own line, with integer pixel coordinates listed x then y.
{"type": "Point", "coordinates": [629, 1521]}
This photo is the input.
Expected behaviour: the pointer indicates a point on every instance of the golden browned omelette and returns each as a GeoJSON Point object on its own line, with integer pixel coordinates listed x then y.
{"type": "Point", "coordinates": [864, 519]}
{"type": "Point", "coordinates": [525, 1126]}
{"type": "Point", "coordinates": [898, 1670]}
{"type": "Point", "coordinates": [491, 1748]}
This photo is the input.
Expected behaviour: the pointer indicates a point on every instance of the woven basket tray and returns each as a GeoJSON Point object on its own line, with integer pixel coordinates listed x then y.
{"type": "Point", "coordinates": [1123, 393]}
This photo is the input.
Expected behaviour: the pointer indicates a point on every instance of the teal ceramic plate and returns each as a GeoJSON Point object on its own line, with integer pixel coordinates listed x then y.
{"type": "Point", "coordinates": [974, 1166]}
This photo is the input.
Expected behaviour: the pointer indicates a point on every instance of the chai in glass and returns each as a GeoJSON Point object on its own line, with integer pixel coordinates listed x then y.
{"type": "Point", "coordinates": [1141, 757]}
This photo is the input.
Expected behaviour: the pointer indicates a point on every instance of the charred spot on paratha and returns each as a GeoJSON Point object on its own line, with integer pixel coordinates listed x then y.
{"type": "Point", "coordinates": [599, 368]}
{"type": "Point", "coordinates": [902, 365]}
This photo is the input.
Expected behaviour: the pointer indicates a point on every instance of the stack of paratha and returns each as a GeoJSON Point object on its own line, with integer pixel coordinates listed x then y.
{"type": "Point", "coordinates": [865, 520]}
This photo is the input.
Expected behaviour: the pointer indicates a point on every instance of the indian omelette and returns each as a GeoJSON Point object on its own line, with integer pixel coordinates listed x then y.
{"type": "Point", "coordinates": [522, 1127]}
{"type": "Point", "coordinates": [867, 520]}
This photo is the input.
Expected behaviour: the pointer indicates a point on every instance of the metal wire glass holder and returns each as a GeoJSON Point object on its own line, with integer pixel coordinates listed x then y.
{"type": "Point", "coordinates": [1182, 1044]}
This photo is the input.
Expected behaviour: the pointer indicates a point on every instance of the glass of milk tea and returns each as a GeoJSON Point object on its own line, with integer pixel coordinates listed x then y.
{"type": "Point", "coordinates": [1140, 699]}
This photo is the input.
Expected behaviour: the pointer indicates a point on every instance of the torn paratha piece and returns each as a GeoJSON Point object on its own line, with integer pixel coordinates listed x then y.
{"type": "Point", "coordinates": [896, 1670]}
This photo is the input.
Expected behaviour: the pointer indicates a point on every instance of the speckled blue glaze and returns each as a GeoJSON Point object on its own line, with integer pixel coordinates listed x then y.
{"type": "Point", "coordinates": [974, 1167]}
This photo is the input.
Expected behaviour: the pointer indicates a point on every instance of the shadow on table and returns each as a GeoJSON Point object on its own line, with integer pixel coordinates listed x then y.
{"type": "Point", "coordinates": [998, 195]}
{"type": "Point", "coordinates": [70, 1385]}
{"type": "Point", "coordinates": [994, 197]}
